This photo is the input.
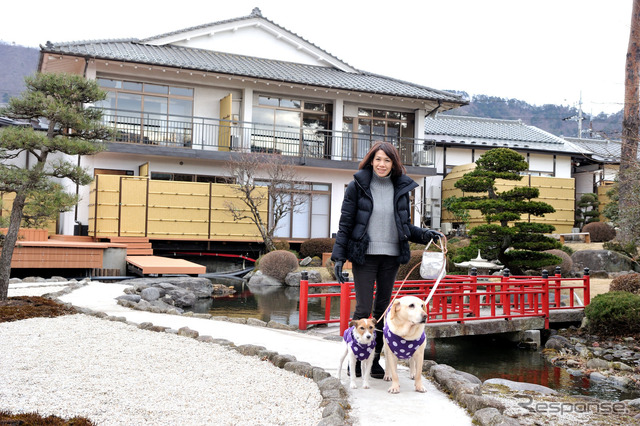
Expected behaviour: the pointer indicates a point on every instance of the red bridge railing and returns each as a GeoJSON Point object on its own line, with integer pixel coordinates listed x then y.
{"type": "Point", "coordinates": [462, 298]}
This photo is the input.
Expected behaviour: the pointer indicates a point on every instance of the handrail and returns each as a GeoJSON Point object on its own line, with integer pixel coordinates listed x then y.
{"type": "Point", "coordinates": [464, 298]}
{"type": "Point", "coordinates": [204, 133]}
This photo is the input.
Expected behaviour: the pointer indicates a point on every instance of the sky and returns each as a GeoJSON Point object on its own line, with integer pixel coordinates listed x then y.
{"type": "Point", "coordinates": [538, 51]}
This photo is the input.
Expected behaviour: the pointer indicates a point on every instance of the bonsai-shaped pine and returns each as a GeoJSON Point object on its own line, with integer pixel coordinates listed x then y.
{"type": "Point", "coordinates": [519, 247]}
{"type": "Point", "coordinates": [587, 210]}
{"type": "Point", "coordinates": [72, 131]}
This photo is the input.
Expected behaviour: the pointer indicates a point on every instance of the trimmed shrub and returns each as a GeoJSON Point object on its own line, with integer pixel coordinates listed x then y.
{"type": "Point", "coordinates": [629, 283]}
{"type": "Point", "coordinates": [282, 245]}
{"type": "Point", "coordinates": [278, 263]}
{"type": "Point", "coordinates": [566, 264]}
{"type": "Point", "coordinates": [615, 313]}
{"type": "Point", "coordinates": [629, 249]}
{"type": "Point", "coordinates": [600, 231]}
{"type": "Point", "coordinates": [317, 246]}
{"type": "Point", "coordinates": [565, 248]}
{"type": "Point", "coordinates": [403, 270]}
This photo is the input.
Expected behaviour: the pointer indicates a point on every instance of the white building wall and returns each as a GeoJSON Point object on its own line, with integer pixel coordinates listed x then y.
{"type": "Point", "coordinates": [252, 41]}
{"type": "Point", "coordinates": [563, 167]}
{"type": "Point", "coordinates": [540, 163]}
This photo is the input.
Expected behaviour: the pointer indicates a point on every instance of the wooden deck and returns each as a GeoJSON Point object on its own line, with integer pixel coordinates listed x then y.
{"type": "Point", "coordinates": [80, 252]}
{"type": "Point", "coordinates": [156, 265]}
{"type": "Point", "coordinates": [59, 254]}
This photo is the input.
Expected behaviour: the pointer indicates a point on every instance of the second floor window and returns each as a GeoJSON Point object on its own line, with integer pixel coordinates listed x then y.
{"type": "Point", "coordinates": [148, 113]}
{"type": "Point", "coordinates": [292, 126]}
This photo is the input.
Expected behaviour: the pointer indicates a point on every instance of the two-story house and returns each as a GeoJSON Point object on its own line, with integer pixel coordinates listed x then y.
{"type": "Point", "coordinates": [461, 140]}
{"type": "Point", "coordinates": [184, 102]}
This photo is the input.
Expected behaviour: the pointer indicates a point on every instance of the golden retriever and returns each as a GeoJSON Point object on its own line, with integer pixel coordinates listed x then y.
{"type": "Point", "coordinates": [404, 338]}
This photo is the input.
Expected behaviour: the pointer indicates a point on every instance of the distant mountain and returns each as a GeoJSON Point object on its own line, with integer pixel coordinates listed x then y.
{"type": "Point", "coordinates": [16, 62]}
{"type": "Point", "coordinates": [555, 119]}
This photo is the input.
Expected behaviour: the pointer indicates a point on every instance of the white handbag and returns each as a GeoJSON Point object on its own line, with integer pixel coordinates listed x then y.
{"type": "Point", "coordinates": [434, 263]}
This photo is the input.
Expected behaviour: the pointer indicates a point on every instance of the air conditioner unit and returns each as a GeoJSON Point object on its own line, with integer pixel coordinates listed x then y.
{"type": "Point", "coordinates": [446, 227]}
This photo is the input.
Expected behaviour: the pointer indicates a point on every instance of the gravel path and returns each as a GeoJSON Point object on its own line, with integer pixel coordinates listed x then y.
{"type": "Point", "coordinates": [117, 374]}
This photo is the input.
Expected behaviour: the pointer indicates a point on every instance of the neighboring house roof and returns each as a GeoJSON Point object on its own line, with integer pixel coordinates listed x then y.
{"type": "Point", "coordinates": [159, 51]}
{"type": "Point", "coordinates": [6, 122]}
{"type": "Point", "coordinates": [494, 133]}
{"type": "Point", "coordinates": [605, 150]}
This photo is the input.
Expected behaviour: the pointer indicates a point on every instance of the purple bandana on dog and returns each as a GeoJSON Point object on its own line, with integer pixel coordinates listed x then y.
{"type": "Point", "coordinates": [361, 352]}
{"type": "Point", "coordinates": [400, 347]}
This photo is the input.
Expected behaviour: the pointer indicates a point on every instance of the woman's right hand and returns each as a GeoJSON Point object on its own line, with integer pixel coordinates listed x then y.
{"type": "Point", "coordinates": [337, 270]}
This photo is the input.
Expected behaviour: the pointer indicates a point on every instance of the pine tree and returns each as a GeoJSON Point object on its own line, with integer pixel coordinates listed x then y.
{"type": "Point", "coordinates": [520, 247]}
{"type": "Point", "coordinates": [72, 130]}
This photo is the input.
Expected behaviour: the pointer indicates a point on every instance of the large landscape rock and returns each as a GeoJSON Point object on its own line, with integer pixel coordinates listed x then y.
{"type": "Point", "coordinates": [602, 260]}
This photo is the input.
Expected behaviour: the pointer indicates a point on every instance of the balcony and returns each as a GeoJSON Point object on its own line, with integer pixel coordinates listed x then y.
{"type": "Point", "coordinates": [201, 133]}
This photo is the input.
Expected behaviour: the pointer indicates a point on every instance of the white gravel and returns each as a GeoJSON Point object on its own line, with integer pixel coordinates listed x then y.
{"type": "Point", "coordinates": [117, 374]}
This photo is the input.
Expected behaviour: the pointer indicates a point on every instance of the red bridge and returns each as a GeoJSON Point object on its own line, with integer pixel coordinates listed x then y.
{"type": "Point", "coordinates": [513, 303]}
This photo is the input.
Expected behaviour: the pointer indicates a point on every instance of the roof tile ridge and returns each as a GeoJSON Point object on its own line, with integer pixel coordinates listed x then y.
{"type": "Point", "coordinates": [50, 44]}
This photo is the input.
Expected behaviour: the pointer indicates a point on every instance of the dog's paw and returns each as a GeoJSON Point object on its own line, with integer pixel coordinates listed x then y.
{"type": "Point", "coordinates": [365, 386]}
{"type": "Point", "coordinates": [387, 378]}
{"type": "Point", "coordinates": [420, 388]}
{"type": "Point", "coordinates": [394, 389]}
{"type": "Point", "coordinates": [353, 385]}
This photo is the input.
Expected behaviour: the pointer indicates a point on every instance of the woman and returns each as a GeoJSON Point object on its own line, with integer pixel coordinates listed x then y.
{"type": "Point", "coordinates": [374, 233]}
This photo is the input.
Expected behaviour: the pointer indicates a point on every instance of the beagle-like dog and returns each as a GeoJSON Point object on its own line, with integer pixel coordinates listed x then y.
{"type": "Point", "coordinates": [360, 342]}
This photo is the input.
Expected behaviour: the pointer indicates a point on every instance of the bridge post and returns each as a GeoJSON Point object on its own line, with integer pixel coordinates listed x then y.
{"type": "Point", "coordinates": [545, 298]}
{"type": "Point", "coordinates": [345, 306]}
{"type": "Point", "coordinates": [304, 301]}
{"type": "Point", "coordinates": [557, 287]}
{"type": "Point", "coordinates": [504, 296]}
{"type": "Point", "coordinates": [587, 287]}
{"type": "Point", "coordinates": [474, 302]}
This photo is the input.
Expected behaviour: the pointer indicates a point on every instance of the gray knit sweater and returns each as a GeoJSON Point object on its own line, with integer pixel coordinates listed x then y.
{"type": "Point", "coordinates": [382, 228]}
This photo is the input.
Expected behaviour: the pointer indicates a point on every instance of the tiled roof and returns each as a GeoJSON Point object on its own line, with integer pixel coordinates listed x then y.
{"type": "Point", "coordinates": [255, 13]}
{"type": "Point", "coordinates": [493, 133]}
{"type": "Point", "coordinates": [606, 150]}
{"type": "Point", "coordinates": [133, 50]}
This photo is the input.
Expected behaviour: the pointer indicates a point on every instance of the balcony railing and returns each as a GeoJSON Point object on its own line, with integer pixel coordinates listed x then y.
{"type": "Point", "coordinates": [224, 135]}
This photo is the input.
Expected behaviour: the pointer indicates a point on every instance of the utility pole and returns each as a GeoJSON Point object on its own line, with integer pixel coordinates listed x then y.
{"type": "Point", "coordinates": [578, 117]}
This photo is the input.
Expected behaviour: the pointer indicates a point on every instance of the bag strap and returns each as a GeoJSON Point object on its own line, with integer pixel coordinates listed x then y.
{"type": "Point", "coordinates": [443, 248]}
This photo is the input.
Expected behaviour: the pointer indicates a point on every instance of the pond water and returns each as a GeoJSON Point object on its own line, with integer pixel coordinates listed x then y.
{"type": "Point", "coordinates": [483, 356]}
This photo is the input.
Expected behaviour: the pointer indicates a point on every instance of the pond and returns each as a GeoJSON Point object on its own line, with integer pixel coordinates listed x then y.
{"type": "Point", "coordinates": [483, 356]}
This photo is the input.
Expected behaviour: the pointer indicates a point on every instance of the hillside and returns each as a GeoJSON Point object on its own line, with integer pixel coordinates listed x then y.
{"type": "Point", "coordinates": [552, 118]}
{"type": "Point", "coordinates": [17, 61]}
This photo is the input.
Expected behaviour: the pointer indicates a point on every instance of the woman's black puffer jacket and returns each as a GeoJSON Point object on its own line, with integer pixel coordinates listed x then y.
{"type": "Point", "coordinates": [352, 240]}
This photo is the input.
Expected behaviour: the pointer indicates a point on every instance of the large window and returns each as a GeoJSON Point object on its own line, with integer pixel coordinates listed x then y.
{"type": "Point", "coordinates": [185, 177]}
{"type": "Point", "coordinates": [311, 218]}
{"type": "Point", "coordinates": [372, 125]}
{"type": "Point", "coordinates": [148, 113]}
{"type": "Point", "coordinates": [292, 126]}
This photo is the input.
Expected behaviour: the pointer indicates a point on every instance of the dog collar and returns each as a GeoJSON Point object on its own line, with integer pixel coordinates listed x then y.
{"type": "Point", "coordinates": [400, 347]}
{"type": "Point", "coordinates": [361, 352]}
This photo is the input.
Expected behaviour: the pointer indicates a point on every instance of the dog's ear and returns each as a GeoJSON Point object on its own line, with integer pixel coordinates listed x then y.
{"type": "Point", "coordinates": [352, 323]}
{"type": "Point", "coordinates": [374, 321]}
{"type": "Point", "coordinates": [393, 309]}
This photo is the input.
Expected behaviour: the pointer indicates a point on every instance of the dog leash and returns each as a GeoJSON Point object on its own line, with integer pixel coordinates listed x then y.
{"type": "Point", "coordinates": [441, 274]}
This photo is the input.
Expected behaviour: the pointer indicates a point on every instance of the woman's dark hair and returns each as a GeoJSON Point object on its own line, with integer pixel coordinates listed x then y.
{"type": "Point", "coordinates": [397, 169]}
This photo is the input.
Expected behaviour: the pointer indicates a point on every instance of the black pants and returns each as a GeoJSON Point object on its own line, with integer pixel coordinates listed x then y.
{"type": "Point", "coordinates": [380, 270]}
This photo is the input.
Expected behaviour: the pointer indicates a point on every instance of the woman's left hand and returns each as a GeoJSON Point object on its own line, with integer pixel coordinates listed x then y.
{"type": "Point", "coordinates": [430, 234]}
